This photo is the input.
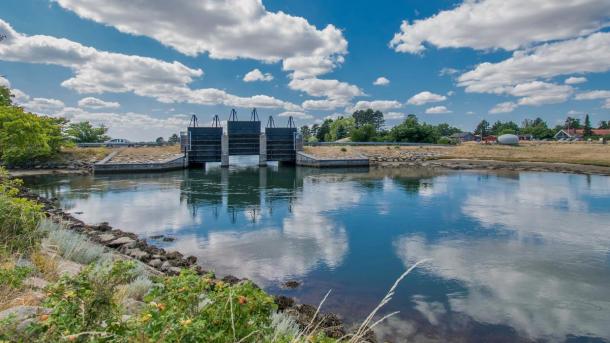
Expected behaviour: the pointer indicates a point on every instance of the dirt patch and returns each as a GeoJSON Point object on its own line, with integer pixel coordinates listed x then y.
{"type": "Point", "coordinates": [146, 154]}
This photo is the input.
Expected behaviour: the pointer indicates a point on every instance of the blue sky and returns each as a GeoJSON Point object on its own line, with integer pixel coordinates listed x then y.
{"type": "Point", "coordinates": [142, 67]}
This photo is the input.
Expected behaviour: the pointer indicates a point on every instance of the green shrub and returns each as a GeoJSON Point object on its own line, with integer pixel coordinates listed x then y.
{"type": "Point", "coordinates": [189, 308]}
{"type": "Point", "coordinates": [86, 303]}
{"type": "Point", "coordinates": [445, 140]}
{"type": "Point", "coordinates": [19, 219]}
{"type": "Point", "coordinates": [13, 277]}
{"type": "Point", "coordinates": [25, 136]}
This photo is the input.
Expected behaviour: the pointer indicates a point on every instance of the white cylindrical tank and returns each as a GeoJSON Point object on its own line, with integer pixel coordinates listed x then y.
{"type": "Point", "coordinates": [508, 139]}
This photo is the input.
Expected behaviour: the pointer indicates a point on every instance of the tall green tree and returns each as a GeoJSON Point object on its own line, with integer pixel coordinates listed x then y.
{"type": "Point", "coordinates": [499, 128]}
{"type": "Point", "coordinates": [341, 128]}
{"type": "Point", "coordinates": [537, 128]}
{"type": "Point", "coordinates": [323, 133]}
{"type": "Point", "coordinates": [173, 139]}
{"type": "Point", "coordinates": [604, 124]}
{"type": "Point", "coordinates": [572, 123]}
{"type": "Point", "coordinates": [482, 128]}
{"type": "Point", "coordinates": [305, 132]}
{"type": "Point", "coordinates": [365, 133]}
{"type": "Point", "coordinates": [84, 132]}
{"type": "Point", "coordinates": [368, 116]}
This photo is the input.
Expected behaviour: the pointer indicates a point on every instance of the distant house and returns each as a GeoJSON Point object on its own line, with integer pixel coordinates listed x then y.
{"type": "Point", "coordinates": [577, 134]}
{"type": "Point", "coordinates": [463, 136]}
{"type": "Point", "coordinates": [118, 142]}
{"type": "Point", "coordinates": [567, 134]}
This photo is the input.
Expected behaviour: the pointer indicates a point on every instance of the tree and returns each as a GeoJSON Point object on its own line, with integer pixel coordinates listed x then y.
{"type": "Point", "coordinates": [5, 96]}
{"type": "Point", "coordinates": [500, 128]}
{"type": "Point", "coordinates": [445, 130]}
{"type": "Point", "coordinates": [537, 128]}
{"type": "Point", "coordinates": [365, 133]}
{"type": "Point", "coordinates": [482, 128]}
{"type": "Point", "coordinates": [306, 133]}
{"type": "Point", "coordinates": [604, 124]}
{"type": "Point", "coordinates": [411, 130]}
{"type": "Point", "coordinates": [26, 137]}
{"type": "Point", "coordinates": [84, 132]}
{"type": "Point", "coordinates": [363, 117]}
{"type": "Point", "coordinates": [160, 140]}
{"type": "Point", "coordinates": [323, 133]}
{"type": "Point", "coordinates": [173, 139]}
{"type": "Point", "coordinates": [571, 123]}
{"type": "Point", "coordinates": [587, 132]}
{"type": "Point", "coordinates": [341, 128]}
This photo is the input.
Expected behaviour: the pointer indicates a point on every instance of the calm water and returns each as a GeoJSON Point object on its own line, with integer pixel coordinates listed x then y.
{"type": "Point", "coordinates": [514, 256]}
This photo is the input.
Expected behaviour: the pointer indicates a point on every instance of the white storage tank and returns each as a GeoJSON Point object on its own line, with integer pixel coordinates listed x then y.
{"type": "Point", "coordinates": [508, 139]}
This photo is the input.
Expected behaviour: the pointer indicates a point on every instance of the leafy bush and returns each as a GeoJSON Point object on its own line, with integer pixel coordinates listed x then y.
{"type": "Point", "coordinates": [25, 136]}
{"type": "Point", "coordinates": [13, 277]}
{"type": "Point", "coordinates": [446, 140]}
{"type": "Point", "coordinates": [19, 218]}
{"type": "Point", "coordinates": [85, 303]}
{"type": "Point", "coordinates": [189, 308]}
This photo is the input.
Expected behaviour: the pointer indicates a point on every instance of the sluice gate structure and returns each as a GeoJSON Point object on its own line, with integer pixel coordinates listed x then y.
{"type": "Point", "coordinates": [241, 138]}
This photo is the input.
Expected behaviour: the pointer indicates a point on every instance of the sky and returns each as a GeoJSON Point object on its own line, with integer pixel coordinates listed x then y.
{"type": "Point", "coordinates": [143, 67]}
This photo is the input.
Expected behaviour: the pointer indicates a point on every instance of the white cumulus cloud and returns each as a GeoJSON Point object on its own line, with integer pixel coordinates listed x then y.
{"type": "Point", "coordinates": [425, 98]}
{"type": "Point", "coordinates": [381, 81]}
{"type": "Point", "coordinates": [437, 110]}
{"type": "Point", "coordinates": [224, 29]}
{"type": "Point", "coordinates": [257, 75]}
{"type": "Point", "coordinates": [509, 25]}
{"type": "Point", "coordinates": [100, 71]}
{"type": "Point", "coordinates": [378, 105]}
{"type": "Point", "coordinates": [575, 80]}
{"type": "Point", "coordinates": [95, 103]}
{"type": "Point", "coordinates": [504, 107]}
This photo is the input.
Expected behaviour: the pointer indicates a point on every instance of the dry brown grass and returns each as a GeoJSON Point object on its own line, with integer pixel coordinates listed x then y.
{"type": "Point", "coordinates": [46, 264]}
{"type": "Point", "coordinates": [84, 154]}
{"type": "Point", "coordinates": [146, 154]}
{"type": "Point", "coordinates": [555, 152]}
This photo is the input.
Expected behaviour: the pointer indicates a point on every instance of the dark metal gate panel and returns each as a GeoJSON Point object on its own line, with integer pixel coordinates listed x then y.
{"type": "Point", "coordinates": [280, 144]}
{"type": "Point", "coordinates": [244, 137]}
{"type": "Point", "coordinates": [204, 144]}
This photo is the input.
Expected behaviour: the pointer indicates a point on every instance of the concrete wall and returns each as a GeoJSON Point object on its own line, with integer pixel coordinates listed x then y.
{"type": "Point", "coordinates": [173, 164]}
{"type": "Point", "coordinates": [306, 160]}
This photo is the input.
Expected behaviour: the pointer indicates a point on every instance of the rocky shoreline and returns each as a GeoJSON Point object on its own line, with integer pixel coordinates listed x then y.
{"type": "Point", "coordinates": [165, 262]}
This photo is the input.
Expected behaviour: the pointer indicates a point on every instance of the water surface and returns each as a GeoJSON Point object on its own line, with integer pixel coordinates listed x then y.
{"type": "Point", "coordinates": [514, 256]}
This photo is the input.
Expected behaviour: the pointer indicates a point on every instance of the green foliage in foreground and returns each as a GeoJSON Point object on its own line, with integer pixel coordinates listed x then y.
{"type": "Point", "coordinates": [183, 308]}
{"type": "Point", "coordinates": [25, 136]}
{"type": "Point", "coordinates": [19, 218]}
{"type": "Point", "coordinates": [13, 277]}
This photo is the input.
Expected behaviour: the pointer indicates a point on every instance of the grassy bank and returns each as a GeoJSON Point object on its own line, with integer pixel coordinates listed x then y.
{"type": "Point", "coordinates": [549, 152]}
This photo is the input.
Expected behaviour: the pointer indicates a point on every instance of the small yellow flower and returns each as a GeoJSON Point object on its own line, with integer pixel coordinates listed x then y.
{"type": "Point", "coordinates": [70, 294]}
{"type": "Point", "coordinates": [220, 284]}
{"type": "Point", "coordinates": [186, 322]}
{"type": "Point", "coordinates": [146, 317]}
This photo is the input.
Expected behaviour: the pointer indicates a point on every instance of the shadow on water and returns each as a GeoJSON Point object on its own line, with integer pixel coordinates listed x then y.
{"type": "Point", "coordinates": [515, 256]}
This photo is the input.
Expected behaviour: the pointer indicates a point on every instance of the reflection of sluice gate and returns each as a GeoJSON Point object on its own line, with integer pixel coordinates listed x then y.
{"type": "Point", "coordinates": [242, 193]}
{"type": "Point", "coordinates": [210, 144]}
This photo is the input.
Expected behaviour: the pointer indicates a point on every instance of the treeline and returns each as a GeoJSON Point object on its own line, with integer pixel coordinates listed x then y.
{"type": "Point", "coordinates": [538, 128]}
{"type": "Point", "coordinates": [367, 126]}
{"type": "Point", "coordinates": [26, 137]}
